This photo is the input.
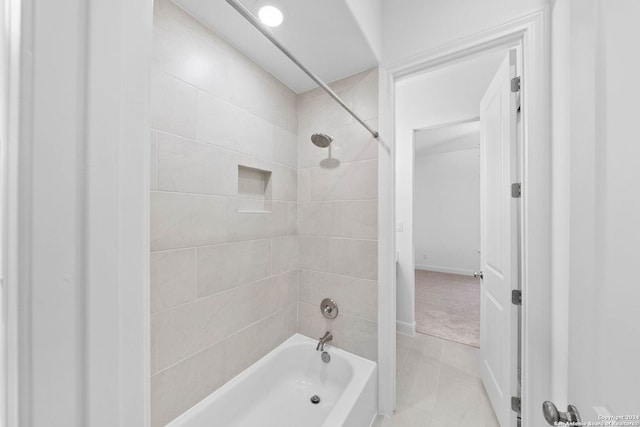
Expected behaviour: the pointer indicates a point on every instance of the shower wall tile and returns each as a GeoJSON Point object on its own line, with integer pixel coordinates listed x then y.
{"type": "Point", "coordinates": [249, 345]}
{"type": "Point", "coordinates": [285, 147]}
{"type": "Point", "coordinates": [285, 254]}
{"type": "Point", "coordinates": [173, 278]}
{"type": "Point", "coordinates": [304, 185]}
{"type": "Point", "coordinates": [220, 299]}
{"type": "Point", "coordinates": [318, 112]}
{"type": "Point", "coordinates": [349, 257]}
{"type": "Point", "coordinates": [358, 297]}
{"type": "Point", "coordinates": [185, 48]}
{"type": "Point", "coordinates": [262, 94]}
{"type": "Point", "coordinates": [353, 219]}
{"type": "Point", "coordinates": [176, 389]}
{"type": "Point", "coordinates": [338, 215]}
{"type": "Point", "coordinates": [363, 92]}
{"type": "Point", "coordinates": [292, 218]}
{"type": "Point", "coordinates": [173, 105]}
{"type": "Point", "coordinates": [350, 181]}
{"type": "Point", "coordinates": [187, 166]}
{"type": "Point", "coordinates": [243, 226]}
{"type": "Point", "coordinates": [274, 293]}
{"type": "Point", "coordinates": [357, 258]}
{"type": "Point", "coordinates": [175, 45]}
{"type": "Point", "coordinates": [185, 220]}
{"type": "Point", "coordinates": [192, 327]}
{"type": "Point", "coordinates": [227, 125]}
{"type": "Point", "coordinates": [313, 253]}
{"type": "Point", "coordinates": [226, 266]}
{"type": "Point", "coordinates": [224, 124]}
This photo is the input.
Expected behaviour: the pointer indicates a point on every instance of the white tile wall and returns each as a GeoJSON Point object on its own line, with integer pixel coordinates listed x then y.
{"type": "Point", "coordinates": [224, 284]}
{"type": "Point", "coordinates": [338, 215]}
{"type": "Point", "coordinates": [173, 105]}
{"type": "Point", "coordinates": [229, 286]}
{"type": "Point", "coordinates": [175, 390]}
{"type": "Point", "coordinates": [180, 220]}
{"type": "Point", "coordinates": [173, 278]}
{"type": "Point", "coordinates": [226, 266]}
{"type": "Point", "coordinates": [188, 166]}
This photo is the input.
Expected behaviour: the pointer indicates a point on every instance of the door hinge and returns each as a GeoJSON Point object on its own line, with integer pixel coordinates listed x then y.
{"type": "Point", "coordinates": [516, 297]}
{"type": "Point", "coordinates": [516, 404]}
{"type": "Point", "coordinates": [515, 87]}
{"type": "Point", "coordinates": [516, 190]}
{"type": "Point", "coordinates": [515, 84]}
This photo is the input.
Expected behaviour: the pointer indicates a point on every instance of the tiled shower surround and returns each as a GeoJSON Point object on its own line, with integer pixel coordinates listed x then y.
{"type": "Point", "coordinates": [228, 283]}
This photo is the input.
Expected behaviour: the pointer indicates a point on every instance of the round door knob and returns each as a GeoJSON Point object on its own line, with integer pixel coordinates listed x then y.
{"type": "Point", "coordinates": [551, 413]}
{"type": "Point", "coordinates": [553, 416]}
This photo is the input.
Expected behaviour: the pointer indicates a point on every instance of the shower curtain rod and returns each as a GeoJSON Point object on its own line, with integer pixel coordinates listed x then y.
{"type": "Point", "coordinates": [246, 13]}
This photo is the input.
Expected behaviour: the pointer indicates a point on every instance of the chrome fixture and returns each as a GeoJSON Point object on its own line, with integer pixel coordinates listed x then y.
{"type": "Point", "coordinates": [325, 357]}
{"type": "Point", "coordinates": [329, 308]}
{"type": "Point", "coordinates": [322, 341]}
{"type": "Point", "coordinates": [321, 140]}
{"type": "Point", "coordinates": [478, 275]}
{"type": "Point", "coordinates": [246, 13]}
{"type": "Point", "coordinates": [315, 399]}
{"type": "Point", "coordinates": [555, 417]}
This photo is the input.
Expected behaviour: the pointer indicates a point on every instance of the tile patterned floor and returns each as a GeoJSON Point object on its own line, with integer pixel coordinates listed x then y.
{"type": "Point", "coordinates": [438, 385]}
{"type": "Point", "coordinates": [448, 306]}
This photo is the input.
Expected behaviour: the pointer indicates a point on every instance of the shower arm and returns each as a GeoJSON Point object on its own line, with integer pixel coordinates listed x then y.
{"type": "Point", "coordinates": [246, 13]}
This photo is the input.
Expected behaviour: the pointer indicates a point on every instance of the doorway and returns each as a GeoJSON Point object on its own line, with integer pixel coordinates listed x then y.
{"type": "Point", "coordinates": [456, 176]}
{"type": "Point", "coordinates": [535, 163]}
{"type": "Point", "coordinates": [446, 233]}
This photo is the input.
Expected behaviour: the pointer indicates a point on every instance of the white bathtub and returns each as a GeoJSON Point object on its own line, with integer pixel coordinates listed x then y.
{"type": "Point", "coordinates": [276, 391]}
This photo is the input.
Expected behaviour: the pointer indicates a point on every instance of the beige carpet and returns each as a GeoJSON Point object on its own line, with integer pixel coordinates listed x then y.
{"type": "Point", "coordinates": [448, 306]}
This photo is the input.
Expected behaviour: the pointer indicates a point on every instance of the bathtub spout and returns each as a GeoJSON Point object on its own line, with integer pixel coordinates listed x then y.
{"type": "Point", "coordinates": [322, 341]}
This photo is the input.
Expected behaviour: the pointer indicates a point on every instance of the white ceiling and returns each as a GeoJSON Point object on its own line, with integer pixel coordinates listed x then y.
{"type": "Point", "coordinates": [457, 137]}
{"type": "Point", "coordinates": [333, 38]}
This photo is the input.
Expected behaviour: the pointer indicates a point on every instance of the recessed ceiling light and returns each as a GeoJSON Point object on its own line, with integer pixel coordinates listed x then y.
{"type": "Point", "coordinates": [270, 15]}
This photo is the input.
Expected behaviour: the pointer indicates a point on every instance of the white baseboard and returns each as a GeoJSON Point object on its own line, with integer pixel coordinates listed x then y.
{"type": "Point", "coordinates": [452, 270]}
{"type": "Point", "coordinates": [405, 328]}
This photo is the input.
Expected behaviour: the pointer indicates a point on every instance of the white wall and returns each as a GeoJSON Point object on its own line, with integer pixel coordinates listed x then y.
{"type": "Point", "coordinates": [410, 27]}
{"type": "Point", "coordinates": [447, 210]}
{"type": "Point", "coordinates": [444, 95]}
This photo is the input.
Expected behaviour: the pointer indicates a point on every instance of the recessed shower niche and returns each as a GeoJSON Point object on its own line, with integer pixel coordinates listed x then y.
{"type": "Point", "coordinates": [254, 190]}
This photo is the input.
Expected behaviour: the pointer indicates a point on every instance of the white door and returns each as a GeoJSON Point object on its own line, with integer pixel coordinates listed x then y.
{"type": "Point", "coordinates": [603, 313]}
{"type": "Point", "coordinates": [498, 233]}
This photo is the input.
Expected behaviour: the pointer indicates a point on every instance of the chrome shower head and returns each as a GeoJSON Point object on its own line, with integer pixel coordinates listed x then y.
{"type": "Point", "coordinates": [321, 140]}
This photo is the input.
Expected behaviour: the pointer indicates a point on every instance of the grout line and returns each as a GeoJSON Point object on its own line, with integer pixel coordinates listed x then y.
{"type": "Point", "coordinates": [216, 195]}
{"type": "Point", "coordinates": [234, 288]}
{"type": "Point", "coordinates": [338, 275]}
{"type": "Point", "coordinates": [228, 242]}
{"type": "Point", "coordinates": [229, 150]}
{"type": "Point", "coordinates": [263, 239]}
{"type": "Point", "coordinates": [228, 102]}
{"type": "Point", "coordinates": [338, 237]}
{"type": "Point", "coordinates": [158, 371]}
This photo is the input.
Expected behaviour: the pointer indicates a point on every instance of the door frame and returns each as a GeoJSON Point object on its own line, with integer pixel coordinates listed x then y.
{"type": "Point", "coordinates": [75, 176]}
{"type": "Point", "coordinates": [532, 31]}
